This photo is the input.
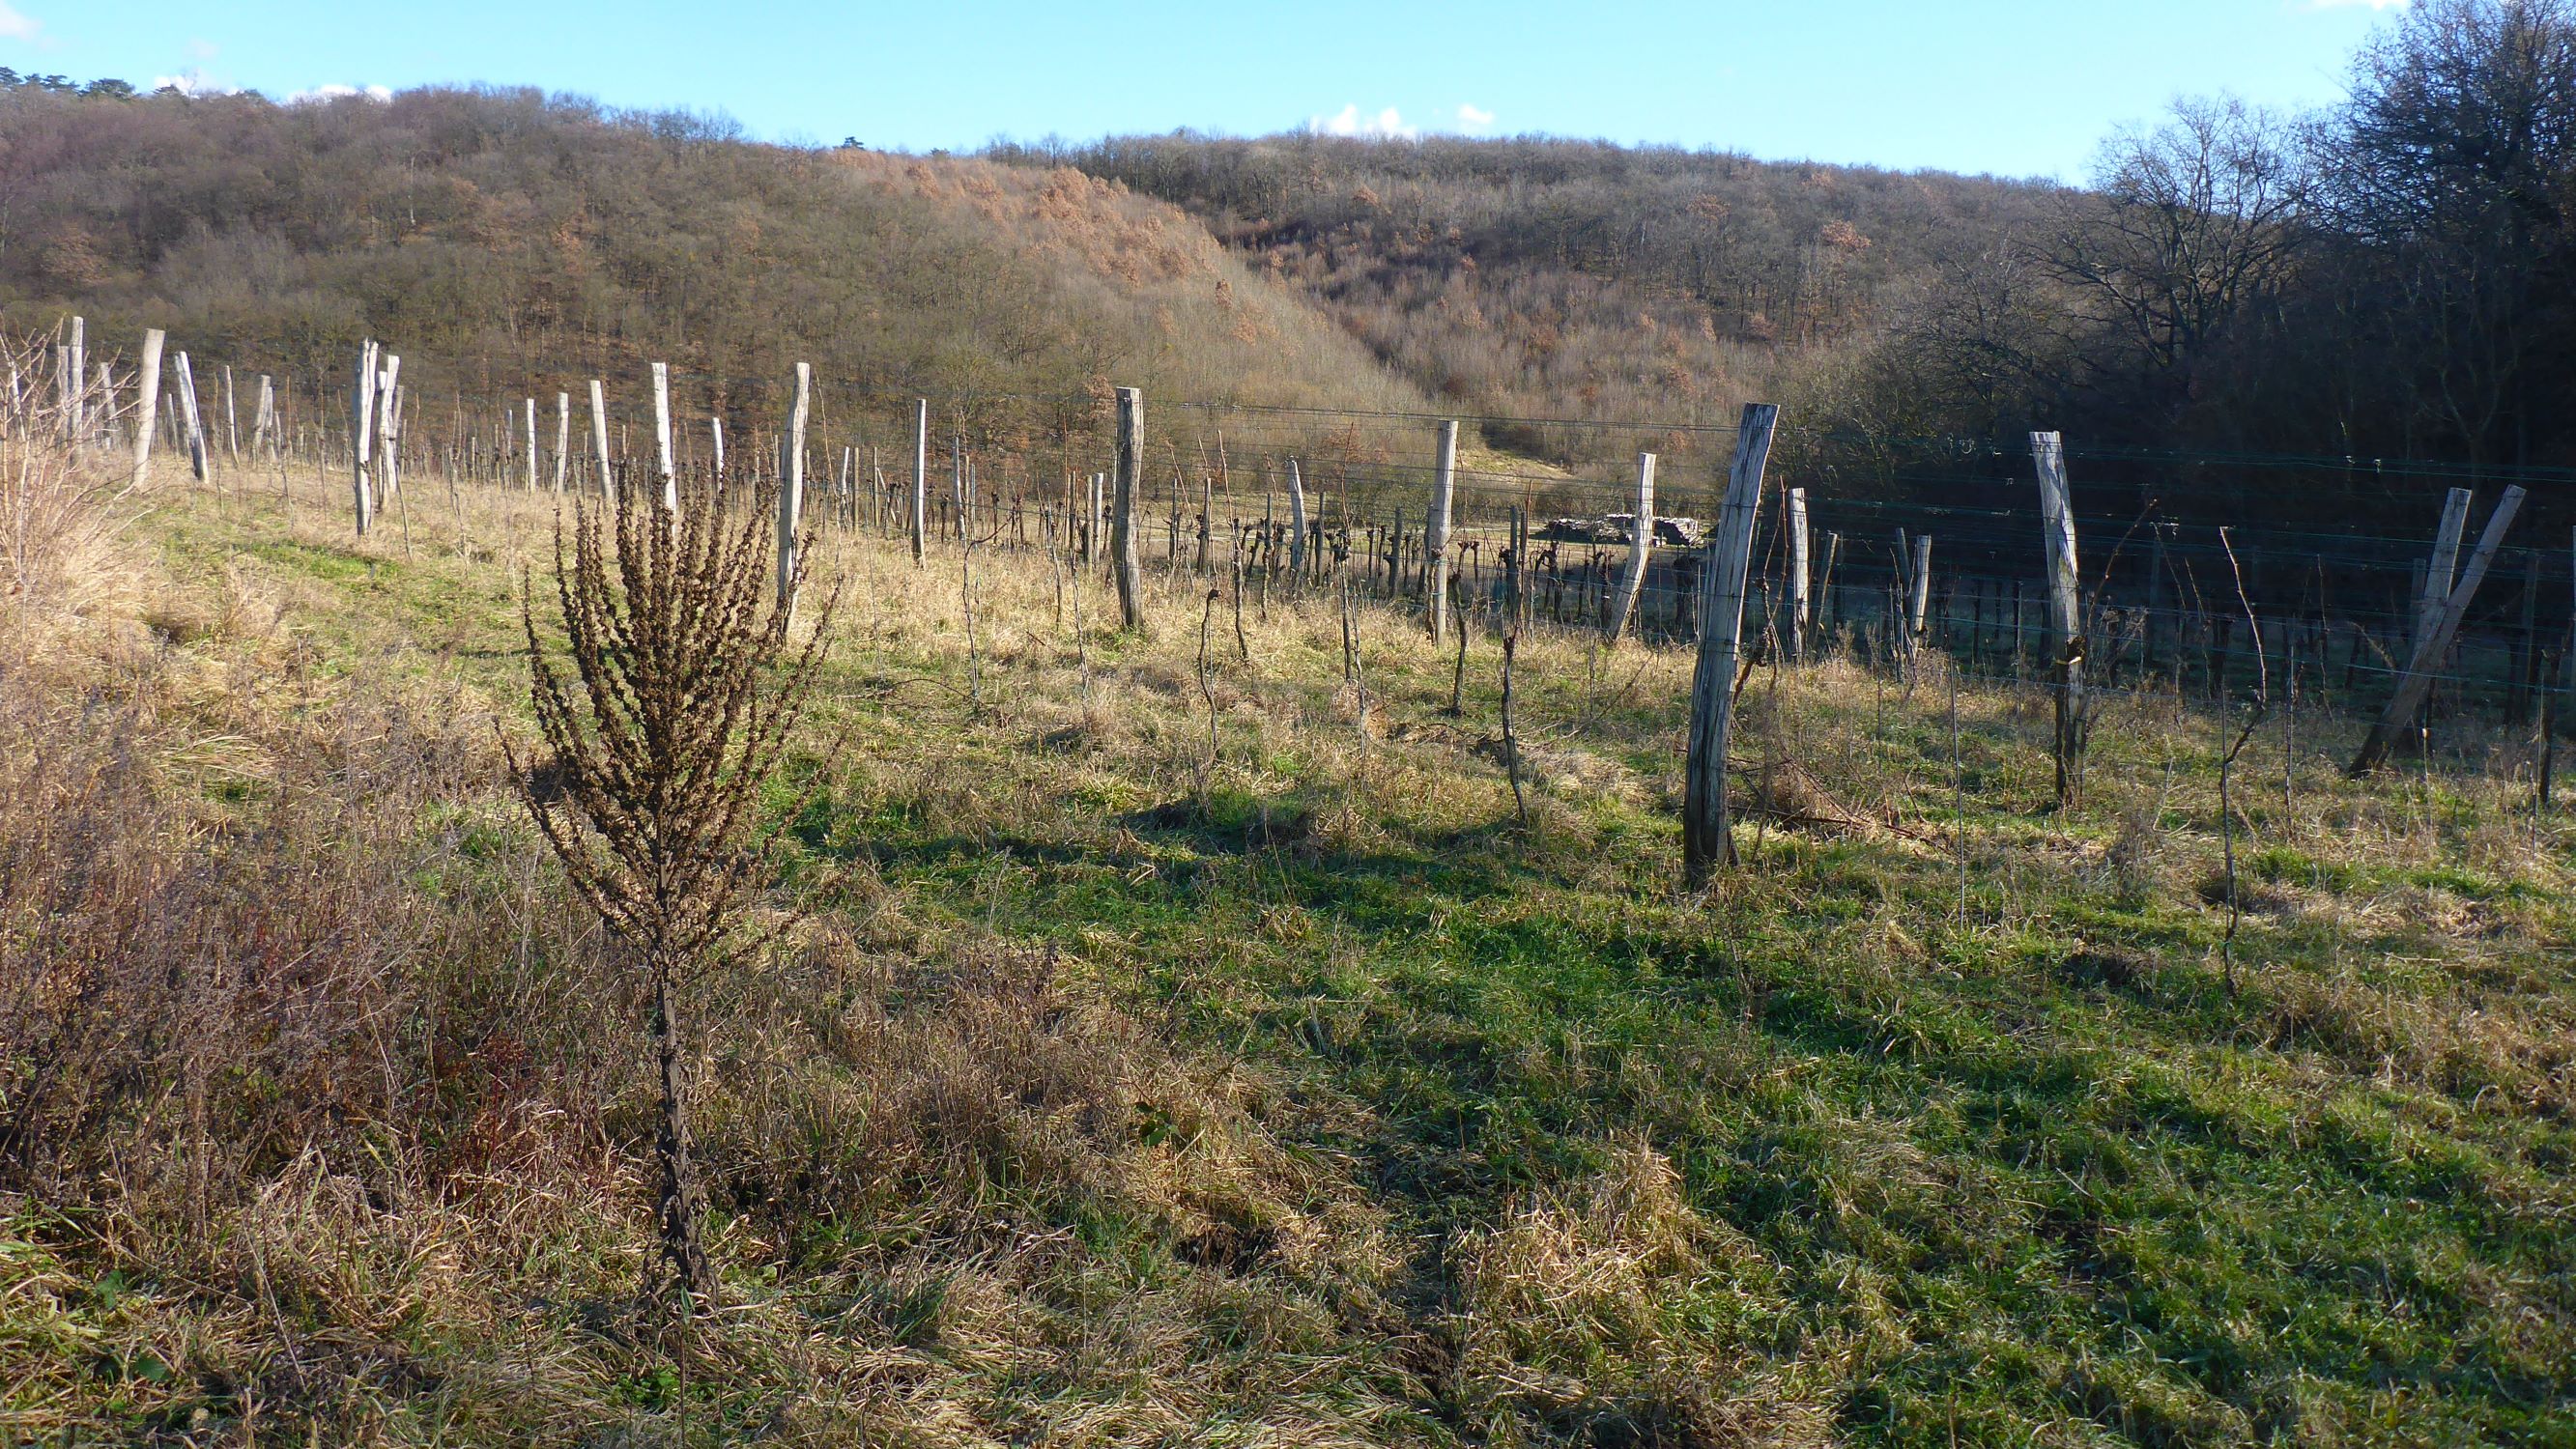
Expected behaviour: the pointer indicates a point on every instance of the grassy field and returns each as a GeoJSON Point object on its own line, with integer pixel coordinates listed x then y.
{"type": "Point", "coordinates": [1121, 1091]}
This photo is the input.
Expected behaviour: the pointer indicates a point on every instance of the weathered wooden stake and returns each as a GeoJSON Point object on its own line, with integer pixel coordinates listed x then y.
{"type": "Point", "coordinates": [791, 487]}
{"type": "Point", "coordinates": [1435, 535]}
{"type": "Point", "coordinates": [1122, 524]}
{"type": "Point", "coordinates": [1706, 840]}
{"type": "Point", "coordinates": [1641, 550]}
{"type": "Point", "coordinates": [2427, 657]}
{"type": "Point", "coordinates": [263, 422]}
{"type": "Point", "coordinates": [149, 405]}
{"type": "Point", "coordinates": [1296, 522]}
{"type": "Point", "coordinates": [599, 444]}
{"type": "Point", "coordinates": [362, 429]}
{"type": "Point", "coordinates": [1919, 601]}
{"type": "Point", "coordinates": [1797, 639]}
{"type": "Point", "coordinates": [662, 436]}
{"type": "Point", "coordinates": [188, 414]}
{"type": "Point", "coordinates": [920, 478]}
{"type": "Point", "coordinates": [75, 383]}
{"type": "Point", "coordinates": [2065, 614]}
{"type": "Point", "coordinates": [2434, 589]}
{"type": "Point", "coordinates": [563, 438]}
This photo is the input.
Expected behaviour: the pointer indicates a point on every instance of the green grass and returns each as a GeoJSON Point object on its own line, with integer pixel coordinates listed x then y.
{"type": "Point", "coordinates": [2024, 1172]}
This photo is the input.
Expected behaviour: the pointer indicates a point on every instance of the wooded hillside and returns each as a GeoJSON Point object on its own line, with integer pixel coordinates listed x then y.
{"type": "Point", "coordinates": [1544, 278]}
{"type": "Point", "coordinates": [512, 242]}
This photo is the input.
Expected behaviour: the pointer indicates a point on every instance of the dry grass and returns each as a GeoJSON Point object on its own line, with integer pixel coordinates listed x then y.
{"type": "Point", "coordinates": [319, 1129]}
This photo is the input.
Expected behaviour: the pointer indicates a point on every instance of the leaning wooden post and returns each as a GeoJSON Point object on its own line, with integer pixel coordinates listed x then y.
{"type": "Point", "coordinates": [362, 443]}
{"type": "Point", "coordinates": [1797, 640]}
{"type": "Point", "coordinates": [1435, 533]}
{"type": "Point", "coordinates": [1296, 522]}
{"type": "Point", "coordinates": [662, 436]}
{"type": "Point", "coordinates": [1641, 550]}
{"type": "Point", "coordinates": [1706, 841]}
{"type": "Point", "coordinates": [791, 487]}
{"type": "Point", "coordinates": [920, 476]}
{"type": "Point", "coordinates": [1122, 522]}
{"type": "Point", "coordinates": [149, 405]}
{"type": "Point", "coordinates": [232, 421]}
{"type": "Point", "coordinates": [599, 445]}
{"type": "Point", "coordinates": [188, 415]}
{"type": "Point", "coordinates": [2436, 588]}
{"type": "Point", "coordinates": [2065, 611]}
{"type": "Point", "coordinates": [2427, 657]}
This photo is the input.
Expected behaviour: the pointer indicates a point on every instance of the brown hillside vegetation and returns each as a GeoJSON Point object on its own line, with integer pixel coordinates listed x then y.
{"type": "Point", "coordinates": [1547, 278]}
{"type": "Point", "coordinates": [514, 243]}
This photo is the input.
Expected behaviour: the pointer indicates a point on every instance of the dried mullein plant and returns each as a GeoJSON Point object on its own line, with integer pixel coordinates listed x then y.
{"type": "Point", "coordinates": [666, 712]}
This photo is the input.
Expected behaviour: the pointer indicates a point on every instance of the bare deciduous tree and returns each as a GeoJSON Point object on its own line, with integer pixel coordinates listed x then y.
{"type": "Point", "coordinates": [2194, 225]}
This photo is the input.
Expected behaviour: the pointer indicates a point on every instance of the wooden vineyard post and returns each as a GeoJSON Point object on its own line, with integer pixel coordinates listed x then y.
{"type": "Point", "coordinates": [1641, 549]}
{"type": "Point", "coordinates": [563, 437]}
{"type": "Point", "coordinates": [2435, 589]}
{"type": "Point", "coordinates": [957, 484]}
{"type": "Point", "coordinates": [1918, 597]}
{"type": "Point", "coordinates": [1122, 523]}
{"type": "Point", "coordinates": [1094, 538]}
{"type": "Point", "coordinates": [2426, 659]}
{"type": "Point", "coordinates": [662, 436]}
{"type": "Point", "coordinates": [1824, 616]}
{"type": "Point", "coordinates": [791, 487]}
{"type": "Point", "coordinates": [362, 432]}
{"type": "Point", "coordinates": [188, 414]}
{"type": "Point", "coordinates": [920, 477]}
{"type": "Point", "coordinates": [599, 445]}
{"type": "Point", "coordinates": [148, 405]}
{"type": "Point", "coordinates": [1296, 524]}
{"type": "Point", "coordinates": [1706, 840]}
{"type": "Point", "coordinates": [715, 438]}
{"type": "Point", "coordinates": [2065, 611]}
{"type": "Point", "coordinates": [2156, 611]}
{"type": "Point", "coordinates": [2526, 664]}
{"type": "Point", "coordinates": [232, 420]}
{"type": "Point", "coordinates": [75, 381]}
{"type": "Point", "coordinates": [388, 425]}
{"type": "Point", "coordinates": [1516, 579]}
{"type": "Point", "coordinates": [1797, 640]}
{"type": "Point", "coordinates": [1435, 532]}
{"type": "Point", "coordinates": [263, 418]}
{"type": "Point", "coordinates": [532, 445]}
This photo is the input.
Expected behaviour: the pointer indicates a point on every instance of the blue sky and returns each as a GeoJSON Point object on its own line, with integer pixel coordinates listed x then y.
{"type": "Point", "coordinates": [2016, 87]}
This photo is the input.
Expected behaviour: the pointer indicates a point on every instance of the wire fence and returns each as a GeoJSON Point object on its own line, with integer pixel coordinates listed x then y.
{"type": "Point", "coordinates": [2172, 600]}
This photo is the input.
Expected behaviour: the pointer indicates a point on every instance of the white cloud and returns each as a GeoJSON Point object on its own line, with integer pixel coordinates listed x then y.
{"type": "Point", "coordinates": [1384, 125]}
{"type": "Point", "coordinates": [334, 91]}
{"type": "Point", "coordinates": [192, 82]}
{"type": "Point", "coordinates": [1474, 118]}
{"type": "Point", "coordinates": [202, 49]}
{"type": "Point", "coordinates": [14, 26]}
